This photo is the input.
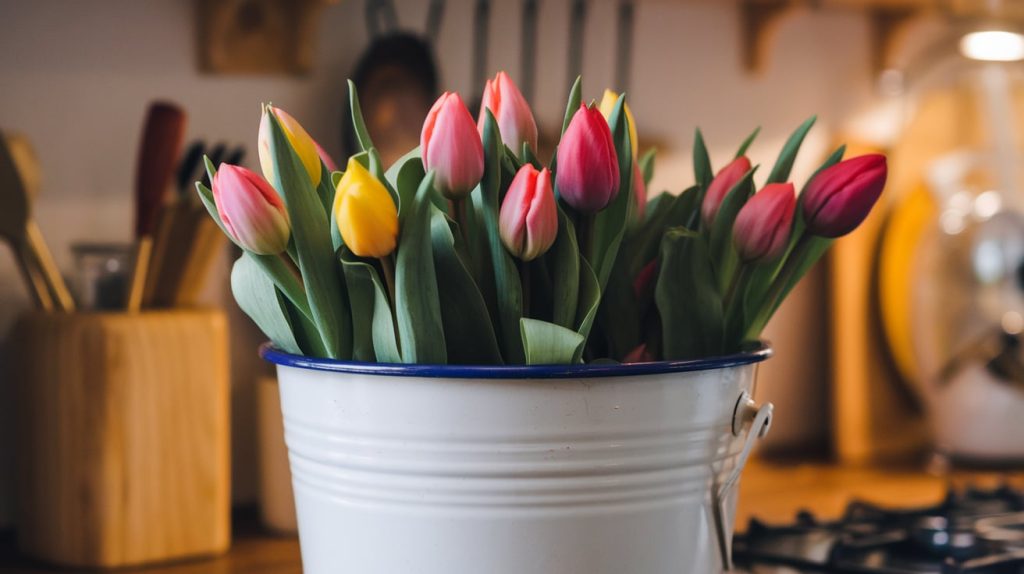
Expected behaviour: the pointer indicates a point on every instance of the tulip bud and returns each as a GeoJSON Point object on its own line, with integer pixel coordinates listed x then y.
{"type": "Point", "coordinates": [608, 106]}
{"type": "Point", "coordinates": [838, 199]}
{"type": "Point", "coordinates": [588, 169]}
{"type": "Point", "coordinates": [528, 220]}
{"type": "Point", "coordinates": [726, 178]}
{"type": "Point", "coordinates": [365, 213]}
{"type": "Point", "coordinates": [515, 120]}
{"type": "Point", "coordinates": [450, 145]}
{"type": "Point", "coordinates": [640, 354]}
{"type": "Point", "coordinates": [639, 192]}
{"type": "Point", "coordinates": [251, 211]}
{"type": "Point", "coordinates": [300, 141]}
{"type": "Point", "coordinates": [643, 284]}
{"type": "Point", "coordinates": [761, 230]}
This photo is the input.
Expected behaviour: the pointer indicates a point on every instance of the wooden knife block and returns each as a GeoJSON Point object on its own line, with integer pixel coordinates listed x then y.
{"type": "Point", "coordinates": [122, 432]}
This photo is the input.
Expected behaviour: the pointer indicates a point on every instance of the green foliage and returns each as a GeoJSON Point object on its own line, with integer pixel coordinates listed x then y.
{"type": "Point", "coordinates": [326, 294]}
{"type": "Point", "coordinates": [549, 344]}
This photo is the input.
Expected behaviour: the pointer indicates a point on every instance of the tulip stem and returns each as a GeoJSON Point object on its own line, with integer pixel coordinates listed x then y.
{"type": "Point", "coordinates": [459, 215]}
{"type": "Point", "coordinates": [387, 265]}
{"type": "Point", "coordinates": [739, 280]}
{"type": "Point", "coordinates": [794, 260]}
{"type": "Point", "coordinates": [524, 279]}
{"type": "Point", "coordinates": [585, 235]}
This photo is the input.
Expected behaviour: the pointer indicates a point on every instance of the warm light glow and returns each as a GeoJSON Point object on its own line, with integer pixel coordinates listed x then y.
{"type": "Point", "coordinates": [993, 46]}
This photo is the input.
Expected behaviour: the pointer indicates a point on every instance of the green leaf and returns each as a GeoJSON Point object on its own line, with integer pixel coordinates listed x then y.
{"type": "Point", "coordinates": [564, 259]}
{"type": "Point", "coordinates": [358, 124]}
{"type": "Point", "coordinates": [702, 171]}
{"type": "Point", "coordinates": [206, 196]}
{"type": "Point", "coordinates": [619, 315]}
{"type": "Point", "coordinates": [589, 301]}
{"type": "Point", "coordinates": [420, 323]}
{"type": "Point", "coordinates": [530, 157]}
{"type": "Point", "coordinates": [663, 213]}
{"type": "Point", "coordinates": [784, 164]}
{"type": "Point", "coordinates": [746, 143]}
{"type": "Point", "coordinates": [549, 344]}
{"type": "Point", "coordinates": [723, 253]}
{"type": "Point", "coordinates": [687, 297]}
{"type": "Point", "coordinates": [325, 190]}
{"type": "Point", "coordinates": [468, 332]}
{"type": "Point", "coordinates": [647, 165]}
{"type": "Point", "coordinates": [325, 292]}
{"type": "Point", "coordinates": [376, 167]}
{"type": "Point", "coordinates": [405, 177]}
{"type": "Point", "coordinates": [573, 104]}
{"type": "Point", "coordinates": [259, 299]}
{"type": "Point", "coordinates": [375, 331]}
{"type": "Point", "coordinates": [507, 287]}
{"type": "Point", "coordinates": [610, 223]}
{"type": "Point", "coordinates": [211, 170]}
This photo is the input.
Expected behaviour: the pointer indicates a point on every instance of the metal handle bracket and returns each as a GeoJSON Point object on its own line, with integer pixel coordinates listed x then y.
{"type": "Point", "coordinates": [760, 420]}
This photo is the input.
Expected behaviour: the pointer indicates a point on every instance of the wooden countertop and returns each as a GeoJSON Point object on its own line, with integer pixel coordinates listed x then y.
{"type": "Point", "coordinates": [772, 492]}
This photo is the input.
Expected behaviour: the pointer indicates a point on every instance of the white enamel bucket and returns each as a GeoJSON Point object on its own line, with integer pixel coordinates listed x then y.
{"type": "Point", "coordinates": [590, 469]}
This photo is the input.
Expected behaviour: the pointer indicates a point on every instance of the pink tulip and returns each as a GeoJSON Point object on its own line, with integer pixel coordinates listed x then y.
{"type": "Point", "coordinates": [639, 192]}
{"type": "Point", "coordinates": [838, 199]}
{"type": "Point", "coordinates": [726, 178]}
{"type": "Point", "coordinates": [252, 212]}
{"type": "Point", "coordinates": [515, 120]}
{"type": "Point", "coordinates": [450, 145]}
{"type": "Point", "coordinates": [528, 220]}
{"type": "Point", "coordinates": [326, 158]}
{"type": "Point", "coordinates": [761, 230]}
{"type": "Point", "coordinates": [588, 169]}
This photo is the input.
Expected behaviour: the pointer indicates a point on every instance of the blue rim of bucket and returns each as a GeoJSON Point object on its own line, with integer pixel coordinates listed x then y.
{"type": "Point", "coordinates": [278, 357]}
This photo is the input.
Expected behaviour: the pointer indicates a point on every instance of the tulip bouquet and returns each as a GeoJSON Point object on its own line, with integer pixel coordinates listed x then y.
{"type": "Point", "coordinates": [471, 250]}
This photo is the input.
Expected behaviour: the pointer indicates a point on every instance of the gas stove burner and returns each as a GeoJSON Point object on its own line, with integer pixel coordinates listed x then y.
{"type": "Point", "coordinates": [974, 531]}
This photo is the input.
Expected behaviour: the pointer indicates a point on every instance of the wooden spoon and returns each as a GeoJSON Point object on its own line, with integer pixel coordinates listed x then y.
{"type": "Point", "coordinates": [44, 269]}
{"type": "Point", "coordinates": [14, 216]}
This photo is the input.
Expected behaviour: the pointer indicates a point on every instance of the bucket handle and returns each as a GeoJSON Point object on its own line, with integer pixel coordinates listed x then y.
{"type": "Point", "coordinates": [746, 410]}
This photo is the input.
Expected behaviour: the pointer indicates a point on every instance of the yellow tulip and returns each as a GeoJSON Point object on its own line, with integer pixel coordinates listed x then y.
{"type": "Point", "coordinates": [608, 106]}
{"type": "Point", "coordinates": [300, 141]}
{"type": "Point", "coordinates": [366, 215]}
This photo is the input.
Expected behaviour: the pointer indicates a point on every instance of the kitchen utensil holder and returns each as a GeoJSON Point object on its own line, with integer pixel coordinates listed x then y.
{"type": "Point", "coordinates": [122, 426]}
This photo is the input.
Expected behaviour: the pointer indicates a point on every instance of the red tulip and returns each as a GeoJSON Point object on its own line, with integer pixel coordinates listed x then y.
{"type": "Point", "coordinates": [515, 120]}
{"type": "Point", "coordinates": [252, 212]}
{"type": "Point", "coordinates": [528, 220]}
{"type": "Point", "coordinates": [761, 229]}
{"type": "Point", "coordinates": [450, 145]}
{"type": "Point", "coordinates": [643, 284]}
{"type": "Point", "coordinates": [640, 354]}
{"type": "Point", "coordinates": [726, 178]}
{"type": "Point", "coordinates": [588, 169]}
{"type": "Point", "coordinates": [838, 199]}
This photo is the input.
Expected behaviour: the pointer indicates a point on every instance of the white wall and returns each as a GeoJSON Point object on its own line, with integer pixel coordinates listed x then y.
{"type": "Point", "coordinates": [76, 76]}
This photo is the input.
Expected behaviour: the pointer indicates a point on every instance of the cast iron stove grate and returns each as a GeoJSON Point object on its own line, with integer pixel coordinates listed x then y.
{"type": "Point", "coordinates": [972, 531]}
